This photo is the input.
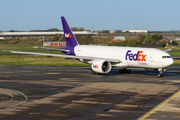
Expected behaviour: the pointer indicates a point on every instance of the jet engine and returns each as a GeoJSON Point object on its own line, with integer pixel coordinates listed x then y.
{"type": "Point", "coordinates": [101, 66]}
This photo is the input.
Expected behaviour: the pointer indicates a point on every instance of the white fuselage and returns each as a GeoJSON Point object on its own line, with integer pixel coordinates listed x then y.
{"type": "Point", "coordinates": [128, 56]}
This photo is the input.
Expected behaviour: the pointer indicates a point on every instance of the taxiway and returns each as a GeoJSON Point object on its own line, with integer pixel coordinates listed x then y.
{"type": "Point", "coordinates": [41, 92]}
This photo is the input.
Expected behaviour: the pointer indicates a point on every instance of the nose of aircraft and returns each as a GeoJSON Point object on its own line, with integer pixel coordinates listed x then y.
{"type": "Point", "coordinates": [170, 61]}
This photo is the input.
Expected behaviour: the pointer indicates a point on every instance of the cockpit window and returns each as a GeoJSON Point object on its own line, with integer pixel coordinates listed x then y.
{"type": "Point", "coordinates": [166, 56]}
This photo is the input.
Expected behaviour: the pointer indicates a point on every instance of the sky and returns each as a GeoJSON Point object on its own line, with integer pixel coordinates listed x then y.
{"type": "Point", "coordinates": [148, 15]}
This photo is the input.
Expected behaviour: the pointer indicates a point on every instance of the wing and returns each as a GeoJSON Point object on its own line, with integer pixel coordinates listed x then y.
{"type": "Point", "coordinates": [167, 50]}
{"type": "Point", "coordinates": [53, 49]}
{"type": "Point", "coordinates": [67, 56]}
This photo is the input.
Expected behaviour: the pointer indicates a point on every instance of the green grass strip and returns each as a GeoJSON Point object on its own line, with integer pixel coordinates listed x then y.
{"type": "Point", "coordinates": [38, 61]}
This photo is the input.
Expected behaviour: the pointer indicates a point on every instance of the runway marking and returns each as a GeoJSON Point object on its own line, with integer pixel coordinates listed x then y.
{"type": "Point", "coordinates": [9, 95]}
{"type": "Point", "coordinates": [159, 106]}
{"type": "Point", "coordinates": [110, 91]}
{"type": "Point", "coordinates": [26, 99]}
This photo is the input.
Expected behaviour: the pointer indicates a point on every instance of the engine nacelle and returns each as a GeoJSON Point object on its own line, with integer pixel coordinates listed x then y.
{"type": "Point", "coordinates": [101, 66]}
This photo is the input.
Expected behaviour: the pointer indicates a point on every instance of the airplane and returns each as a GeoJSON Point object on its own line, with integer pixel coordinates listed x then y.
{"type": "Point", "coordinates": [103, 58]}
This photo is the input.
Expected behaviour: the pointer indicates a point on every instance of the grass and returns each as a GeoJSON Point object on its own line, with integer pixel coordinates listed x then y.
{"type": "Point", "coordinates": [26, 48]}
{"type": "Point", "coordinates": [15, 47]}
{"type": "Point", "coordinates": [174, 53]}
{"type": "Point", "coordinates": [176, 62]}
{"type": "Point", "coordinates": [38, 61]}
{"type": "Point", "coordinates": [175, 47]}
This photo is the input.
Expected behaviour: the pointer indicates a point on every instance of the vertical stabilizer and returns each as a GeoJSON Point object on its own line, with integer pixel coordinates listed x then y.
{"type": "Point", "coordinates": [69, 37]}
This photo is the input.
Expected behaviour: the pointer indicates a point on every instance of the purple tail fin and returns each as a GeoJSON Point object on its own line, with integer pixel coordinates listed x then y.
{"type": "Point", "coordinates": [69, 37]}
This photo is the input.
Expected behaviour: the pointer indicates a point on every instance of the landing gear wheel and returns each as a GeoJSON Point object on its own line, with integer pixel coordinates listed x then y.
{"type": "Point", "coordinates": [160, 75]}
{"type": "Point", "coordinates": [92, 72]}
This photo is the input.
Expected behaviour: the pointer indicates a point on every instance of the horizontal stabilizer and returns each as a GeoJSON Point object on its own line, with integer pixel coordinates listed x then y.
{"type": "Point", "coordinates": [167, 50]}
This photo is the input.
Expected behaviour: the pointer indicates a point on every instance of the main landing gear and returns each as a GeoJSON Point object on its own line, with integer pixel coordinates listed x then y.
{"type": "Point", "coordinates": [125, 71]}
{"type": "Point", "coordinates": [93, 72]}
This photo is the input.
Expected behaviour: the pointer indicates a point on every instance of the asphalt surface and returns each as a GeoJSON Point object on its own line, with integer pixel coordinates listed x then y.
{"type": "Point", "coordinates": [68, 93]}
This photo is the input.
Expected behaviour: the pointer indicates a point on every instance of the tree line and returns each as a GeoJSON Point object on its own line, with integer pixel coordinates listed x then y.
{"type": "Point", "coordinates": [155, 38]}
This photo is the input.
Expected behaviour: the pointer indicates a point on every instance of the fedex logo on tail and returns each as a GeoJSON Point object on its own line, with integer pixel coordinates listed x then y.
{"type": "Point", "coordinates": [67, 35]}
{"type": "Point", "coordinates": [95, 66]}
{"type": "Point", "coordinates": [139, 56]}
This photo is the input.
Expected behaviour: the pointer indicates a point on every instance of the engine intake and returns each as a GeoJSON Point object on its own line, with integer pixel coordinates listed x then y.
{"type": "Point", "coordinates": [101, 66]}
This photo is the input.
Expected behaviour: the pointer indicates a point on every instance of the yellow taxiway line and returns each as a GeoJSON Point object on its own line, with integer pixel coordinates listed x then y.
{"type": "Point", "coordinates": [159, 106]}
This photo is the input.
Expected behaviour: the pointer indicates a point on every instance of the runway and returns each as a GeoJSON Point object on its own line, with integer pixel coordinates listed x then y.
{"type": "Point", "coordinates": [73, 93]}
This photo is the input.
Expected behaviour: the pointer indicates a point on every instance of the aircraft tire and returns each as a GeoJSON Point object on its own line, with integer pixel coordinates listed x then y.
{"type": "Point", "coordinates": [160, 75]}
{"type": "Point", "coordinates": [92, 72]}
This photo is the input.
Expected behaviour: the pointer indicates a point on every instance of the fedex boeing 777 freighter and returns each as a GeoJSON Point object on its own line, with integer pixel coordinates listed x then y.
{"type": "Point", "coordinates": [103, 58]}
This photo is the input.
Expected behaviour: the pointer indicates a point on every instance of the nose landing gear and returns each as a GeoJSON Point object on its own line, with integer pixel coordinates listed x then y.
{"type": "Point", "coordinates": [161, 72]}
{"type": "Point", "coordinates": [160, 75]}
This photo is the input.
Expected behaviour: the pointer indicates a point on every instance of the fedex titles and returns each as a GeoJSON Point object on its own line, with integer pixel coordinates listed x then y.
{"type": "Point", "coordinates": [139, 56]}
{"type": "Point", "coordinates": [95, 66]}
{"type": "Point", "coordinates": [67, 35]}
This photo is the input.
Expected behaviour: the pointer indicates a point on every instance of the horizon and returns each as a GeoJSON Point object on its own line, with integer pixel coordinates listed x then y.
{"type": "Point", "coordinates": [47, 30]}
